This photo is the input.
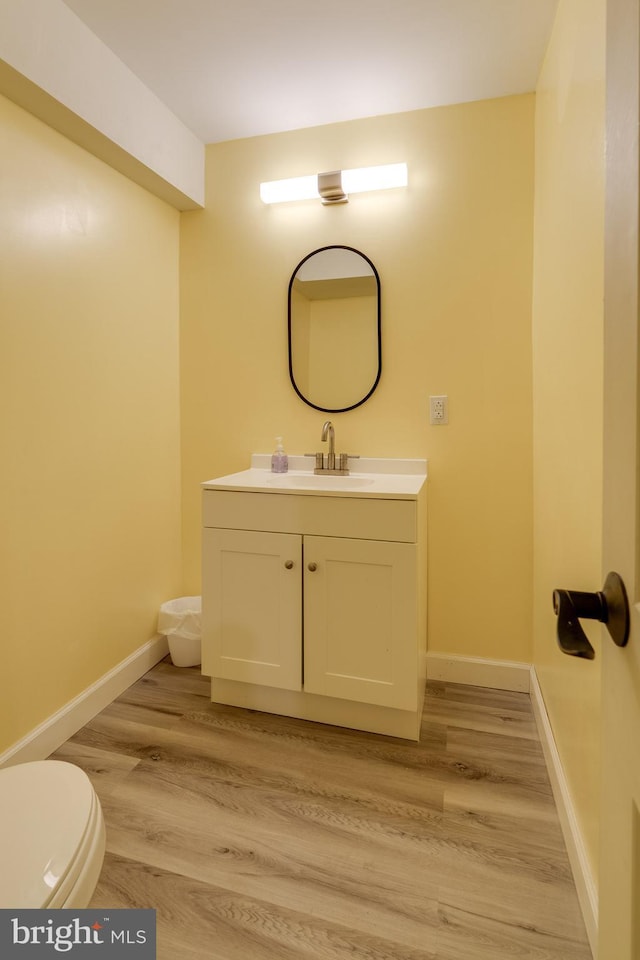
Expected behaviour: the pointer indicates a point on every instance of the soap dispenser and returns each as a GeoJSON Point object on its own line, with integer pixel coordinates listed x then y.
{"type": "Point", "coordinates": [279, 459]}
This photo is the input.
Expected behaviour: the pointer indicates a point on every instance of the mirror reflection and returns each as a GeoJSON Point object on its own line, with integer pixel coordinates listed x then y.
{"type": "Point", "coordinates": [334, 329]}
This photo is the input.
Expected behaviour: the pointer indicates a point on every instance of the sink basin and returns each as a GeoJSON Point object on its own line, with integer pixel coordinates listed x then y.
{"type": "Point", "coordinates": [319, 482]}
{"type": "Point", "coordinates": [375, 478]}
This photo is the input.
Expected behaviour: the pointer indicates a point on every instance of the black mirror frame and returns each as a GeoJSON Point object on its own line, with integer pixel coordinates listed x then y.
{"type": "Point", "coordinates": [335, 246]}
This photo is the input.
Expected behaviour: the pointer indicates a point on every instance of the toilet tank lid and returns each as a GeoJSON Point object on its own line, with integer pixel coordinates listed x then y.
{"type": "Point", "coordinates": [45, 808]}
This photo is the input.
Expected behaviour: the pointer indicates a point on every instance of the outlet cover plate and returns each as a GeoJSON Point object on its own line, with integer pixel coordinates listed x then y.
{"type": "Point", "coordinates": [438, 411]}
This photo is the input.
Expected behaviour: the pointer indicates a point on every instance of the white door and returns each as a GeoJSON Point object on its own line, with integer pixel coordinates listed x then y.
{"type": "Point", "coordinates": [252, 607]}
{"type": "Point", "coordinates": [360, 621]}
{"type": "Point", "coordinates": [619, 874]}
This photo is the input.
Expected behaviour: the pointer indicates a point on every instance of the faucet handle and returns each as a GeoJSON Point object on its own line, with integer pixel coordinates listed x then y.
{"type": "Point", "coordinates": [344, 459]}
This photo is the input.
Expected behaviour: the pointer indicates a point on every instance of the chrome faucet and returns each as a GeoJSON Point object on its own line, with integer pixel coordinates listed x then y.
{"type": "Point", "coordinates": [335, 465]}
{"type": "Point", "coordinates": [328, 431]}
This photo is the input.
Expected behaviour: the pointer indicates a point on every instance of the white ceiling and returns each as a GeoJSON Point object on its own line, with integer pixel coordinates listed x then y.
{"type": "Point", "coordinates": [240, 68]}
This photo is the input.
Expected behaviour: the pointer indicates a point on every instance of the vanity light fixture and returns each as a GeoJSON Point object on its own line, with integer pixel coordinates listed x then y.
{"type": "Point", "coordinates": [335, 187]}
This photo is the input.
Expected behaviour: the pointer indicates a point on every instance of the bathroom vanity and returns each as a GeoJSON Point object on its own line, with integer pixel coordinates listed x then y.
{"type": "Point", "coordinates": [314, 593]}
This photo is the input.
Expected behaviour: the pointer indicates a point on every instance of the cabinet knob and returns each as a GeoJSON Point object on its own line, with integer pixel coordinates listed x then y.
{"type": "Point", "coordinates": [313, 567]}
{"type": "Point", "coordinates": [288, 564]}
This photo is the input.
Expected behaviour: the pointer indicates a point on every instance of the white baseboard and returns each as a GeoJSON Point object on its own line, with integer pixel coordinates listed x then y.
{"type": "Point", "coordinates": [49, 735]}
{"type": "Point", "coordinates": [499, 674]}
{"type": "Point", "coordinates": [582, 875]}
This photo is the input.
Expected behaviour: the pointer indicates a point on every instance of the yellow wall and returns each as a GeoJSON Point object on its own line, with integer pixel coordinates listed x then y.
{"type": "Point", "coordinates": [89, 422]}
{"type": "Point", "coordinates": [567, 366]}
{"type": "Point", "coordinates": [454, 253]}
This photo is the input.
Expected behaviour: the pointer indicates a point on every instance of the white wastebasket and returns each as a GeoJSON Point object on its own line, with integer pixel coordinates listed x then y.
{"type": "Point", "coordinates": [179, 622]}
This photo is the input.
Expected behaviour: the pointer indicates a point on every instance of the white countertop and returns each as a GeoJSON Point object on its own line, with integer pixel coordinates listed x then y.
{"type": "Point", "coordinates": [372, 478]}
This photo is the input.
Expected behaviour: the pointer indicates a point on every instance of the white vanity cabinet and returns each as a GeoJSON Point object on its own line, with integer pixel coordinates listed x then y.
{"type": "Point", "coordinates": [360, 620]}
{"type": "Point", "coordinates": [313, 605]}
{"type": "Point", "coordinates": [252, 607]}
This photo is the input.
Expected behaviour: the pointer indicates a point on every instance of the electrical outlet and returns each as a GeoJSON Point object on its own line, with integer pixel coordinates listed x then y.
{"type": "Point", "coordinates": [438, 411]}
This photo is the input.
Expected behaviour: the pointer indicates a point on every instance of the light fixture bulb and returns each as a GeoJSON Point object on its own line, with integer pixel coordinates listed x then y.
{"type": "Point", "coordinates": [383, 177]}
{"type": "Point", "coordinates": [295, 188]}
{"type": "Point", "coordinates": [357, 180]}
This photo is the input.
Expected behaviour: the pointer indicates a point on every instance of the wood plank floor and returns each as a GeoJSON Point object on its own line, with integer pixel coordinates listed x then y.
{"type": "Point", "coordinates": [258, 837]}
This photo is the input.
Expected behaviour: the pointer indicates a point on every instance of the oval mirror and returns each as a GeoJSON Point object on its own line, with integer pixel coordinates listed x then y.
{"type": "Point", "coordinates": [335, 355]}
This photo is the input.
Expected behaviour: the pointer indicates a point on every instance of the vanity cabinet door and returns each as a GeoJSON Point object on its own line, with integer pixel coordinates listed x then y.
{"type": "Point", "coordinates": [252, 607]}
{"type": "Point", "coordinates": [360, 621]}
